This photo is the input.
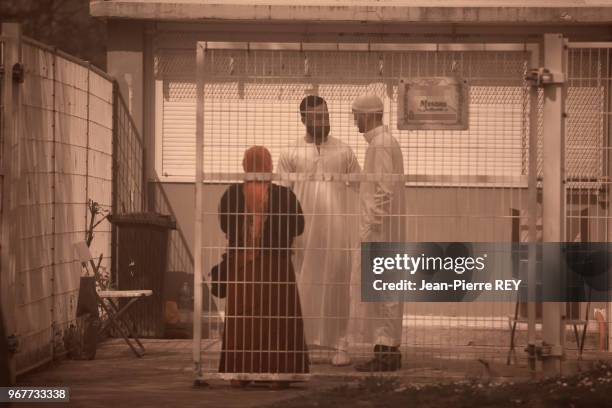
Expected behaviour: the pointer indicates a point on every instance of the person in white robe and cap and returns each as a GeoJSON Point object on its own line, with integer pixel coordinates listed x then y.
{"type": "Point", "coordinates": [382, 219]}
{"type": "Point", "coordinates": [322, 253]}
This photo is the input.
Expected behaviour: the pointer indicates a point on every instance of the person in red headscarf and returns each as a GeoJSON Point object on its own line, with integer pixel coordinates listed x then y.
{"type": "Point", "coordinates": [263, 331]}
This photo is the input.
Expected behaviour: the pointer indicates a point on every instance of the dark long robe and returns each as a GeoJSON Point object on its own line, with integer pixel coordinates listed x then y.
{"type": "Point", "coordinates": [264, 331]}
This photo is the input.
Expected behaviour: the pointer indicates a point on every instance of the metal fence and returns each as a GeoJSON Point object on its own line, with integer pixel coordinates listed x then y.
{"type": "Point", "coordinates": [464, 186]}
{"type": "Point", "coordinates": [132, 194]}
{"type": "Point", "coordinates": [588, 142]}
{"type": "Point", "coordinates": [129, 160]}
{"type": "Point", "coordinates": [60, 157]}
{"type": "Point", "coordinates": [70, 139]}
{"type": "Point", "coordinates": [180, 256]}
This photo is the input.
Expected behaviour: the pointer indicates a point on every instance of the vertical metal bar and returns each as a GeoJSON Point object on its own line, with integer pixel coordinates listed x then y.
{"type": "Point", "coordinates": [2, 76]}
{"type": "Point", "coordinates": [114, 192]}
{"type": "Point", "coordinates": [608, 173]}
{"type": "Point", "coordinates": [532, 207]}
{"type": "Point", "coordinates": [148, 133]}
{"type": "Point", "coordinates": [11, 102]}
{"type": "Point", "coordinates": [87, 150]}
{"type": "Point", "coordinates": [198, 280]}
{"type": "Point", "coordinates": [553, 221]}
{"type": "Point", "coordinates": [53, 198]}
{"type": "Point", "coordinates": [3, 179]}
{"type": "Point", "coordinates": [142, 196]}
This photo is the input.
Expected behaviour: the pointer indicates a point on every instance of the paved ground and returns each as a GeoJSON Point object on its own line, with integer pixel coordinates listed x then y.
{"type": "Point", "coordinates": [164, 376]}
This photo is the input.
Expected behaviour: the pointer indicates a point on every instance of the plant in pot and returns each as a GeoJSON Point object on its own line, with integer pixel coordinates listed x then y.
{"type": "Point", "coordinates": [82, 338]}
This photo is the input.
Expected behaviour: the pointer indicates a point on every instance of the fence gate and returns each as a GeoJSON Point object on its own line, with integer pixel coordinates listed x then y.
{"type": "Point", "coordinates": [587, 160]}
{"type": "Point", "coordinates": [469, 185]}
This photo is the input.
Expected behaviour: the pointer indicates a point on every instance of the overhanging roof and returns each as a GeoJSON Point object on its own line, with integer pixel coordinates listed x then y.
{"type": "Point", "coordinates": [370, 11]}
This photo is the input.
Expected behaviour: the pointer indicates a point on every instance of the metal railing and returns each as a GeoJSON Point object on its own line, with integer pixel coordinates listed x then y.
{"type": "Point", "coordinates": [130, 185]}
{"type": "Point", "coordinates": [128, 159]}
{"type": "Point", "coordinates": [180, 258]}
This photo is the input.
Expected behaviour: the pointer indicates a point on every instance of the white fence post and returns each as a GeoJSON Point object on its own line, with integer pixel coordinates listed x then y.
{"type": "Point", "coordinates": [197, 251]}
{"type": "Point", "coordinates": [533, 213]}
{"type": "Point", "coordinates": [553, 220]}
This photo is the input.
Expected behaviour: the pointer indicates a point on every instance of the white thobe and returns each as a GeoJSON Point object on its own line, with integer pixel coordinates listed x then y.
{"type": "Point", "coordinates": [322, 253]}
{"type": "Point", "coordinates": [382, 207]}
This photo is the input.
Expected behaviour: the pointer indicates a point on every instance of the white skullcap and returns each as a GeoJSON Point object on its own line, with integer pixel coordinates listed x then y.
{"type": "Point", "coordinates": [368, 104]}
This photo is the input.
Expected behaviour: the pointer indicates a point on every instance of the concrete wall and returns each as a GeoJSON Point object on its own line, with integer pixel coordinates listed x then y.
{"type": "Point", "coordinates": [125, 63]}
{"type": "Point", "coordinates": [130, 62]}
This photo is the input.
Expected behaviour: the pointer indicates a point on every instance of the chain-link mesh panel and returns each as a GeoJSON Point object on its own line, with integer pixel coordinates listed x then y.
{"type": "Point", "coordinates": [584, 95]}
{"type": "Point", "coordinates": [587, 73]}
{"type": "Point", "coordinates": [251, 85]}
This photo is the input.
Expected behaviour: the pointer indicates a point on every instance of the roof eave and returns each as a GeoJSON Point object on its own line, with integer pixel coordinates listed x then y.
{"type": "Point", "coordinates": [177, 11]}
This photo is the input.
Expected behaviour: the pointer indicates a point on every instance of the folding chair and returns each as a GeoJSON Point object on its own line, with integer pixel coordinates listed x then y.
{"type": "Point", "coordinates": [118, 317]}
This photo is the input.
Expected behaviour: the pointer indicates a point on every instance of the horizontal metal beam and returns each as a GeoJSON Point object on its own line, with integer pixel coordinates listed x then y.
{"type": "Point", "coordinates": [386, 47]}
{"type": "Point", "coordinates": [365, 177]}
{"type": "Point", "coordinates": [573, 45]}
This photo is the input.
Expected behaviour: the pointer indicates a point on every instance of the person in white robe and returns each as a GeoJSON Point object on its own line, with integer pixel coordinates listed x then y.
{"type": "Point", "coordinates": [322, 253]}
{"type": "Point", "coordinates": [382, 219]}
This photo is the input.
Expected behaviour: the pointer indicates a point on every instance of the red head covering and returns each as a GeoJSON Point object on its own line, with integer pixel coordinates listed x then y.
{"type": "Point", "coordinates": [257, 159]}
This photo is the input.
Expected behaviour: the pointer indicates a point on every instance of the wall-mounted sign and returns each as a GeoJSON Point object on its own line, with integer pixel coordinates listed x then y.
{"type": "Point", "coordinates": [433, 103]}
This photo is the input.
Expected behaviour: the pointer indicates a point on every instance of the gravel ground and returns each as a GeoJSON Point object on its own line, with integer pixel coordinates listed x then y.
{"type": "Point", "coordinates": [592, 389]}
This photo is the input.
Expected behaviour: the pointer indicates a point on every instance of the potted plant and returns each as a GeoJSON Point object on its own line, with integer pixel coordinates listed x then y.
{"type": "Point", "coordinates": [82, 338]}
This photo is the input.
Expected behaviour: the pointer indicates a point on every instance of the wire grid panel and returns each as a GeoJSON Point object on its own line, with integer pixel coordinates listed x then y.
{"type": "Point", "coordinates": [587, 154]}
{"type": "Point", "coordinates": [63, 156]}
{"type": "Point", "coordinates": [35, 260]}
{"type": "Point", "coordinates": [252, 98]}
{"type": "Point", "coordinates": [179, 253]}
{"type": "Point", "coordinates": [128, 160]}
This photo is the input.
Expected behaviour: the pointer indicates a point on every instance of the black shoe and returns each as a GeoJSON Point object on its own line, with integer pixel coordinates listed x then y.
{"type": "Point", "coordinates": [385, 359]}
